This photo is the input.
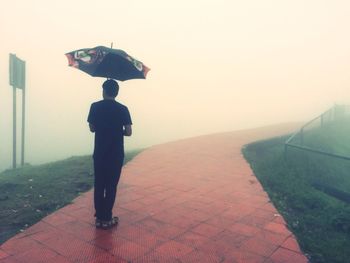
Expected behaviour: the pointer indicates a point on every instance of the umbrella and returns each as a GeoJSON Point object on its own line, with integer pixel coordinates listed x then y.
{"type": "Point", "coordinates": [107, 62]}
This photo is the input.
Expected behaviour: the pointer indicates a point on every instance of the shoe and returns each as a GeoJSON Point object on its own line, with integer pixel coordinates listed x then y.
{"type": "Point", "coordinates": [98, 223]}
{"type": "Point", "coordinates": [107, 224]}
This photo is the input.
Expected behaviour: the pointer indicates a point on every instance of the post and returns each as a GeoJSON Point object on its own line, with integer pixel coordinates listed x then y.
{"type": "Point", "coordinates": [302, 136]}
{"type": "Point", "coordinates": [23, 123]}
{"type": "Point", "coordinates": [14, 162]}
{"type": "Point", "coordinates": [17, 81]}
{"type": "Point", "coordinates": [285, 152]}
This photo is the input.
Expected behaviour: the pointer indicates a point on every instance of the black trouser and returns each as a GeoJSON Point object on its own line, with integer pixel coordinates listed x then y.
{"type": "Point", "coordinates": [107, 174]}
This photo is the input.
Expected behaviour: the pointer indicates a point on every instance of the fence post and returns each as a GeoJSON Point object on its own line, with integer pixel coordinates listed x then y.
{"type": "Point", "coordinates": [285, 152]}
{"type": "Point", "coordinates": [302, 136]}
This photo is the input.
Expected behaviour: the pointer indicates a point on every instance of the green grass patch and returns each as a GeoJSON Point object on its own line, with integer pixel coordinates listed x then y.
{"type": "Point", "coordinates": [310, 190]}
{"type": "Point", "coordinates": [30, 193]}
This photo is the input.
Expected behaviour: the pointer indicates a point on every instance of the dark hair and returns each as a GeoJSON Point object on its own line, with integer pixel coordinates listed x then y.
{"type": "Point", "coordinates": [111, 87]}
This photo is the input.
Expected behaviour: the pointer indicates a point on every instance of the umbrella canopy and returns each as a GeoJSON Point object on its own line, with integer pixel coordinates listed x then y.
{"type": "Point", "coordinates": [108, 63]}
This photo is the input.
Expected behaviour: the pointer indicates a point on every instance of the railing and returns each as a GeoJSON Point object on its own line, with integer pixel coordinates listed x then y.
{"type": "Point", "coordinates": [337, 112]}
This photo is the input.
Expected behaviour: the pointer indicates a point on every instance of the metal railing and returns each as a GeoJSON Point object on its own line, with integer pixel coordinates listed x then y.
{"type": "Point", "coordinates": [337, 112]}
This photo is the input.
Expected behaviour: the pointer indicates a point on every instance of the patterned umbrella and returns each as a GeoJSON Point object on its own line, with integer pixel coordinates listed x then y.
{"type": "Point", "coordinates": [108, 63]}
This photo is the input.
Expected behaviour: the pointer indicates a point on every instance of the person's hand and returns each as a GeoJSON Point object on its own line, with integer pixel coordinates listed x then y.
{"type": "Point", "coordinates": [127, 130]}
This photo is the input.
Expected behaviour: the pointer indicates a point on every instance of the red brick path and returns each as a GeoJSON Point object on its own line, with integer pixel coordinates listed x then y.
{"type": "Point", "coordinates": [194, 200]}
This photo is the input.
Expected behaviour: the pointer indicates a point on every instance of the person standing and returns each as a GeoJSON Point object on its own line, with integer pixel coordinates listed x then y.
{"type": "Point", "coordinates": [110, 121]}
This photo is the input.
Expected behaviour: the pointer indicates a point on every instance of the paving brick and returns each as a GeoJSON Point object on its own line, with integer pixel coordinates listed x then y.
{"type": "Point", "coordinates": [58, 218]}
{"type": "Point", "coordinates": [174, 249]}
{"type": "Point", "coordinates": [38, 227]}
{"type": "Point", "coordinates": [132, 205]}
{"type": "Point", "coordinates": [18, 245]}
{"type": "Point", "coordinates": [81, 230]}
{"type": "Point", "coordinates": [277, 228]}
{"type": "Point", "coordinates": [265, 214]}
{"type": "Point", "coordinates": [69, 208]}
{"type": "Point", "coordinates": [9, 259]}
{"type": "Point", "coordinates": [154, 257]}
{"type": "Point", "coordinates": [3, 254]}
{"type": "Point", "coordinates": [107, 258]}
{"type": "Point", "coordinates": [157, 188]}
{"type": "Point", "coordinates": [269, 207]}
{"type": "Point", "coordinates": [40, 254]}
{"type": "Point", "coordinates": [231, 239]}
{"type": "Point", "coordinates": [217, 249]}
{"type": "Point", "coordinates": [132, 217]}
{"type": "Point", "coordinates": [258, 246]}
{"type": "Point", "coordinates": [291, 244]}
{"type": "Point", "coordinates": [184, 222]}
{"type": "Point", "coordinates": [57, 259]}
{"type": "Point", "coordinates": [155, 208]}
{"type": "Point", "coordinates": [219, 221]}
{"type": "Point", "coordinates": [243, 256]}
{"type": "Point", "coordinates": [195, 200]}
{"type": "Point", "coordinates": [192, 239]}
{"type": "Point", "coordinates": [108, 242]}
{"type": "Point", "coordinates": [73, 248]}
{"type": "Point", "coordinates": [83, 214]}
{"type": "Point", "coordinates": [207, 230]}
{"type": "Point", "coordinates": [279, 220]}
{"type": "Point", "coordinates": [149, 200]}
{"type": "Point", "coordinates": [271, 237]}
{"type": "Point", "coordinates": [283, 255]}
{"type": "Point", "coordinates": [140, 236]}
{"type": "Point", "coordinates": [244, 229]}
{"type": "Point", "coordinates": [43, 235]}
{"type": "Point", "coordinates": [128, 250]}
{"type": "Point", "coordinates": [161, 228]}
{"type": "Point", "coordinates": [259, 222]}
{"type": "Point", "coordinates": [201, 257]}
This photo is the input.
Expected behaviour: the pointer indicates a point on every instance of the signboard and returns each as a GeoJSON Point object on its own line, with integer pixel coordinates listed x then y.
{"type": "Point", "coordinates": [18, 81]}
{"type": "Point", "coordinates": [17, 72]}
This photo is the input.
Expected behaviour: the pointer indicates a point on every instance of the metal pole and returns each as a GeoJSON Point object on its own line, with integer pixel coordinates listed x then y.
{"type": "Point", "coordinates": [14, 129]}
{"type": "Point", "coordinates": [285, 152]}
{"type": "Point", "coordinates": [302, 136]}
{"type": "Point", "coordinates": [23, 123]}
{"type": "Point", "coordinates": [319, 151]}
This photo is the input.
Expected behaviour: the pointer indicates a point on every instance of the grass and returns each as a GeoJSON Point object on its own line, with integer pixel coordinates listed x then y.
{"type": "Point", "coordinates": [30, 193]}
{"type": "Point", "coordinates": [310, 190]}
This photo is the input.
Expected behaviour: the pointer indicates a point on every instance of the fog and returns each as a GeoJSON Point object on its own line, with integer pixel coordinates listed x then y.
{"type": "Point", "coordinates": [216, 65]}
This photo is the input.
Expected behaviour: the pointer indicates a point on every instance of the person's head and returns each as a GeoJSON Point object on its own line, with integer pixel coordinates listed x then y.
{"type": "Point", "coordinates": [110, 89]}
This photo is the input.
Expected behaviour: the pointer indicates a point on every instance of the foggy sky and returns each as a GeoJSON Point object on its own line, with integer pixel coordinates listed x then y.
{"type": "Point", "coordinates": [216, 65]}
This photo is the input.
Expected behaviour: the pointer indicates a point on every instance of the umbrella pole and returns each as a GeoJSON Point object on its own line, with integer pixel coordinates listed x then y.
{"type": "Point", "coordinates": [111, 47]}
